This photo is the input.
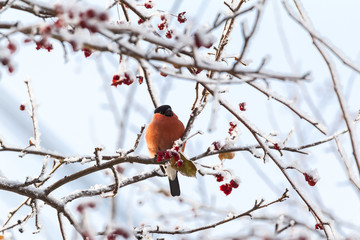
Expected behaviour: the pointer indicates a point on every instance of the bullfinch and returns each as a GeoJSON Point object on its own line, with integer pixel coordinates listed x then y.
{"type": "Point", "coordinates": [164, 129]}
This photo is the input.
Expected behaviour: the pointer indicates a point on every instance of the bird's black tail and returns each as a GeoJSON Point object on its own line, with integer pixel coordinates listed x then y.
{"type": "Point", "coordinates": [174, 187]}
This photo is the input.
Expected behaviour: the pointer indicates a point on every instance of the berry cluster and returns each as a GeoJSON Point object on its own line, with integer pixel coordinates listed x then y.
{"type": "Point", "coordinates": [181, 17]}
{"type": "Point", "coordinates": [232, 127]}
{"type": "Point", "coordinates": [148, 4]}
{"type": "Point", "coordinates": [164, 25]}
{"type": "Point", "coordinates": [219, 177]}
{"type": "Point", "coordinates": [88, 19]}
{"type": "Point", "coordinates": [310, 179]}
{"type": "Point", "coordinates": [43, 43]}
{"type": "Point", "coordinates": [82, 206]}
{"type": "Point", "coordinates": [168, 154]}
{"type": "Point", "coordinates": [6, 60]}
{"type": "Point", "coordinates": [122, 79]}
{"type": "Point", "coordinates": [227, 187]}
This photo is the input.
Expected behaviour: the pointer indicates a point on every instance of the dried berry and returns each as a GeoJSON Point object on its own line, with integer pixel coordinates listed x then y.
{"type": "Point", "coordinates": [181, 18]}
{"type": "Point", "coordinates": [219, 177]}
{"type": "Point", "coordinates": [242, 106]}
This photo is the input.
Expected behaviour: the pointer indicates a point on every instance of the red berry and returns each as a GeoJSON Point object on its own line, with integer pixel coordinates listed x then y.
{"type": "Point", "coordinates": [319, 226]}
{"type": "Point", "coordinates": [111, 237]}
{"type": "Point", "coordinates": [176, 148]}
{"type": "Point", "coordinates": [234, 184]}
{"type": "Point", "coordinates": [242, 106]}
{"type": "Point", "coordinates": [217, 146]}
{"type": "Point", "coordinates": [140, 21]}
{"type": "Point", "coordinates": [140, 79]}
{"type": "Point", "coordinates": [118, 80]}
{"type": "Point", "coordinates": [11, 47]}
{"type": "Point", "coordinates": [226, 188]}
{"type": "Point", "coordinates": [10, 69]}
{"type": "Point", "coordinates": [169, 34]}
{"type": "Point", "coordinates": [90, 13]}
{"type": "Point", "coordinates": [219, 177]}
{"type": "Point", "coordinates": [91, 205]}
{"type": "Point", "coordinates": [168, 154]}
{"type": "Point", "coordinates": [87, 52]}
{"type": "Point", "coordinates": [310, 179]}
{"type": "Point", "coordinates": [162, 25]}
{"type": "Point", "coordinates": [119, 169]}
{"type": "Point", "coordinates": [115, 80]}
{"type": "Point", "coordinates": [22, 107]}
{"type": "Point", "coordinates": [181, 18]}
{"type": "Point", "coordinates": [59, 23]}
{"type": "Point", "coordinates": [232, 127]}
{"type": "Point", "coordinates": [175, 155]}
{"type": "Point", "coordinates": [163, 18]}
{"type": "Point", "coordinates": [80, 208]}
{"type": "Point", "coordinates": [127, 80]}
{"type": "Point", "coordinates": [82, 24]}
{"type": "Point", "coordinates": [5, 61]}
{"type": "Point", "coordinates": [103, 17]}
{"type": "Point", "coordinates": [163, 74]}
{"type": "Point", "coordinates": [148, 4]}
{"type": "Point", "coordinates": [160, 156]}
{"type": "Point", "coordinates": [92, 28]}
{"type": "Point", "coordinates": [179, 163]}
{"type": "Point", "coordinates": [49, 47]}
{"type": "Point", "coordinates": [46, 29]}
{"type": "Point", "coordinates": [43, 44]}
{"type": "Point", "coordinates": [71, 14]}
{"type": "Point", "coordinates": [276, 146]}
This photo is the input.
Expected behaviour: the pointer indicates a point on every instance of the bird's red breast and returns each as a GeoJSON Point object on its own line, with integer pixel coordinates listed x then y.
{"type": "Point", "coordinates": [162, 132]}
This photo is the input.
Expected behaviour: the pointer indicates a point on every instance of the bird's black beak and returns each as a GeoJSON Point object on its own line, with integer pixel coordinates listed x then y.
{"type": "Point", "coordinates": [168, 112]}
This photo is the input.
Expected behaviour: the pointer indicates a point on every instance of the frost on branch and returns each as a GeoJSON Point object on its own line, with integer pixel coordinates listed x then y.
{"type": "Point", "coordinates": [167, 50]}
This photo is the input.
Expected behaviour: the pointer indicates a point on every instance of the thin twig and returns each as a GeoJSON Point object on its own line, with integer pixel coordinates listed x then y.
{"type": "Point", "coordinates": [293, 108]}
{"type": "Point", "coordinates": [314, 35]}
{"type": "Point", "coordinates": [148, 81]}
{"type": "Point", "coordinates": [61, 226]}
{"type": "Point", "coordinates": [137, 141]}
{"type": "Point", "coordinates": [33, 115]}
{"type": "Point", "coordinates": [257, 206]}
{"type": "Point", "coordinates": [337, 88]}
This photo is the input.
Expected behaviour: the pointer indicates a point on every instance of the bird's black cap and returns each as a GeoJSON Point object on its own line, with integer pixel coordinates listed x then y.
{"type": "Point", "coordinates": [164, 110]}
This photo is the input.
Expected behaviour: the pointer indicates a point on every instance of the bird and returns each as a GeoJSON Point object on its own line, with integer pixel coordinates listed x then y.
{"type": "Point", "coordinates": [164, 129]}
